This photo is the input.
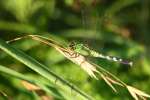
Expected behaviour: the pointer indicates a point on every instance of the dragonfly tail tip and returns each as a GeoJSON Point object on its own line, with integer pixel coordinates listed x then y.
{"type": "Point", "coordinates": [131, 64]}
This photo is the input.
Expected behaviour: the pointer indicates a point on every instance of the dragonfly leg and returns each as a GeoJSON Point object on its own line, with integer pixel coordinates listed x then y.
{"type": "Point", "coordinates": [74, 55]}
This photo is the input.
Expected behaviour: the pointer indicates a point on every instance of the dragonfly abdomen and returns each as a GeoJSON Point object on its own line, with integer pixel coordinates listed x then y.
{"type": "Point", "coordinates": [115, 59]}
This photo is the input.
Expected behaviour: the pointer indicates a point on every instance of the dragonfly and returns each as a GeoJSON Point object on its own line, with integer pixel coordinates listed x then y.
{"type": "Point", "coordinates": [82, 49]}
{"type": "Point", "coordinates": [86, 51]}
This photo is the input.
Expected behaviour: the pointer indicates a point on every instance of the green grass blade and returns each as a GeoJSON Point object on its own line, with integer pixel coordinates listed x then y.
{"type": "Point", "coordinates": [20, 76]}
{"type": "Point", "coordinates": [19, 27]}
{"type": "Point", "coordinates": [39, 68]}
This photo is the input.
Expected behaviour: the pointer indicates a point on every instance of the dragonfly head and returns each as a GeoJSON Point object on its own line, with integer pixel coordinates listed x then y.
{"type": "Point", "coordinates": [76, 46]}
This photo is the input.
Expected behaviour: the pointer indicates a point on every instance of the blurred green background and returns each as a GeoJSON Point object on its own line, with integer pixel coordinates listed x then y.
{"type": "Point", "coordinates": [114, 27]}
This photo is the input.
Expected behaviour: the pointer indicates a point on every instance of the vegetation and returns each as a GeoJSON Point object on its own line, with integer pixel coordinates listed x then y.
{"type": "Point", "coordinates": [37, 63]}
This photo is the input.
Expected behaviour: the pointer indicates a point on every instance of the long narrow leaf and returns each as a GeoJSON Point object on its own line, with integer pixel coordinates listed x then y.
{"type": "Point", "coordinates": [18, 75]}
{"type": "Point", "coordinates": [39, 68]}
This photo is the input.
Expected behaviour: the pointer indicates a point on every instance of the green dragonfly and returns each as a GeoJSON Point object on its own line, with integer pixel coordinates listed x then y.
{"type": "Point", "coordinates": [81, 49]}
{"type": "Point", "coordinates": [86, 51]}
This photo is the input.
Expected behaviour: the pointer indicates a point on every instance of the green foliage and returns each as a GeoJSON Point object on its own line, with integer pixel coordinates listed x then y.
{"type": "Point", "coordinates": [114, 27]}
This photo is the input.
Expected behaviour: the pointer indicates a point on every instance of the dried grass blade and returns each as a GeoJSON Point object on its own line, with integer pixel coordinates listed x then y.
{"type": "Point", "coordinates": [41, 93]}
{"type": "Point", "coordinates": [79, 60]}
{"type": "Point", "coordinates": [108, 82]}
{"type": "Point", "coordinates": [135, 93]}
